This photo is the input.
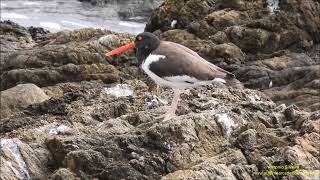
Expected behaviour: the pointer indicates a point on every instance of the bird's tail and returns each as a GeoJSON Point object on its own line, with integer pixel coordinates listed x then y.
{"type": "Point", "coordinates": [231, 81]}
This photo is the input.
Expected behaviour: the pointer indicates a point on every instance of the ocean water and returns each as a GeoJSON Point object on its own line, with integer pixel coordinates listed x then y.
{"type": "Point", "coordinates": [57, 15]}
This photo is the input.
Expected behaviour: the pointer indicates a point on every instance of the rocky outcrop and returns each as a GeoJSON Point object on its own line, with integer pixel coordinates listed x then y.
{"type": "Point", "coordinates": [219, 132]}
{"type": "Point", "coordinates": [137, 10]}
{"type": "Point", "coordinates": [14, 38]}
{"type": "Point", "coordinates": [272, 46]}
{"type": "Point", "coordinates": [19, 160]}
{"type": "Point", "coordinates": [243, 20]}
{"type": "Point", "coordinates": [59, 57]}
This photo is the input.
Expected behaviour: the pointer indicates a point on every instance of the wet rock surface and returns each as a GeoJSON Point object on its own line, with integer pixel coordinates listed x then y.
{"type": "Point", "coordinates": [272, 46]}
{"type": "Point", "coordinates": [19, 160]}
{"type": "Point", "coordinates": [59, 57]}
{"type": "Point", "coordinates": [219, 132]}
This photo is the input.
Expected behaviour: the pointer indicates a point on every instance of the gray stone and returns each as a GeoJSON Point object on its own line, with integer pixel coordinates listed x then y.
{"type": "Point", "coordinates": [20, 97]}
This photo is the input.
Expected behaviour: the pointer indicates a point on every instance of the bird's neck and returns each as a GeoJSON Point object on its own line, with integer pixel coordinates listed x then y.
{"type": "Point", "coordinates": [143, 53]}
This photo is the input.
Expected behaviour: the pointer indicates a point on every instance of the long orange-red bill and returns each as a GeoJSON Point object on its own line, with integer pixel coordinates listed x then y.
{"type": "Point", "coordinates": [121, 49]}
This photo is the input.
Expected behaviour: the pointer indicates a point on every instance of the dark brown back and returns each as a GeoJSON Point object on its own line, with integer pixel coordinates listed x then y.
{"type": "Point", "coordinates": [181, 60]}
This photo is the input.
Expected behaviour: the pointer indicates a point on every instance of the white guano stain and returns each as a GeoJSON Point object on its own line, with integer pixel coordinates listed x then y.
{"type": "Point", "coordinates": [273, 6]}
{"type": "Point", "coordinates": [270, 84]}
{"type": "Point", "coordinates": [174, 23]}
{"type": "Point", "coordinates": [120, 90]}
{"type": "Point", "coordinates": [227, 122]}
{"type": "Point", "coordinates": [62, 129]}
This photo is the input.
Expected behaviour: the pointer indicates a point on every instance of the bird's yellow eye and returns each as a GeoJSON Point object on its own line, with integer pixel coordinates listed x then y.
{"type": "Point", "coordinates": [139, 38]}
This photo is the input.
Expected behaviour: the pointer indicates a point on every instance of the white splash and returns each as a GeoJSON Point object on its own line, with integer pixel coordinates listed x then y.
{"type": "Point", "coordinates": [120, 90]}
{"type": "Point", "coordinates": [273, 5]}
{"type": "Point", "coordinates": [227, 122]}
{"type": "Point", "coordinates": [13, 16]}
{"type": "Point", "coordinates": [129, 24]}
{"type": "Point", "coordinates": [30, 3]}
{"type": "Point", "coordinates": [50, 25]}
{"type": "Point", "coordinates": [72, 23]}
{"type": "Point", "coordinates": [12, 146]}
{"type": "Point", "coordinates": [174, 23]}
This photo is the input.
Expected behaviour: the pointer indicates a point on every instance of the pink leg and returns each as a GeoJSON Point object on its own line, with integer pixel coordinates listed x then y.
{"type": "Point", "coordinates": [172, 110]}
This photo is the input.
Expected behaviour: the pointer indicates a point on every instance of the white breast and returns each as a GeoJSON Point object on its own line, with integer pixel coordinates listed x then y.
{"type": "Point", "coordinates": [146, 67]}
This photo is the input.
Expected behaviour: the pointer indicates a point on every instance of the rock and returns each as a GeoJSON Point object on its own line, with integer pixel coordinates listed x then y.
{"type": "Point", "coordinates": [308, 144]}
{"type": "Point", "coordinates": [234, 4]}
{"type": "Point", "coordinates": [217, 171]}
{"type": "Point", "coordinates": [20, 97]}
{"type": "Point", "coordinates": [19, 160]}
{"type": "Point", "coordinates": [61, 57]}
{"type": "Point", "coordinates": [85, 161]}
{"type": "Point", "coordinates": [228, 51]}
{"type": "Point", "coordinates": [296, 155]}
{"type": "Point", "coordinates": [247, 140]}
{"type": "Point", "coordinates": [250, 40]}
{"type": "Point", "coordinates": [111, 143]}
{"type": "Point", "coordinates": [218, 21]}
{"type": "Point", "coordinates": [62, 174]}
{"type": "Point", "coordinates": [212, 167]}
{"type": "Point", "coordinates": [301, 88]}
{"type": "Point", "coordinates": [64, 73]}
{"type": "Point", "coordinates": [219, 37]}
{"type": "Point", "coordinates": [308, 21]}
{"type": "Point", "coordinates": [183, 12]}
{"type": "Point", "coordinates": [15, 37]}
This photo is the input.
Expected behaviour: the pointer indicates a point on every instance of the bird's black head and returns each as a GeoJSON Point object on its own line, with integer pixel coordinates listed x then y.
{"type": "Point", "coordinates": [145, 43]}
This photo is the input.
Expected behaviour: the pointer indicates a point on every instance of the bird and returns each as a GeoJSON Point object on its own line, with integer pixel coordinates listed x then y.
{"type": "Point", "coordinates": [173, 65]}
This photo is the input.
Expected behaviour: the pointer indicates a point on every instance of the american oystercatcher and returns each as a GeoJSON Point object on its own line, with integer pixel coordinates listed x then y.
{"type": "Point", "coordinates": [173, 65]}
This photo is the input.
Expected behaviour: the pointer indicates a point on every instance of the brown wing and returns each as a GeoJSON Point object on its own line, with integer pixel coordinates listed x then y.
{"type": "Point", "coordinates": [180, 60]}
